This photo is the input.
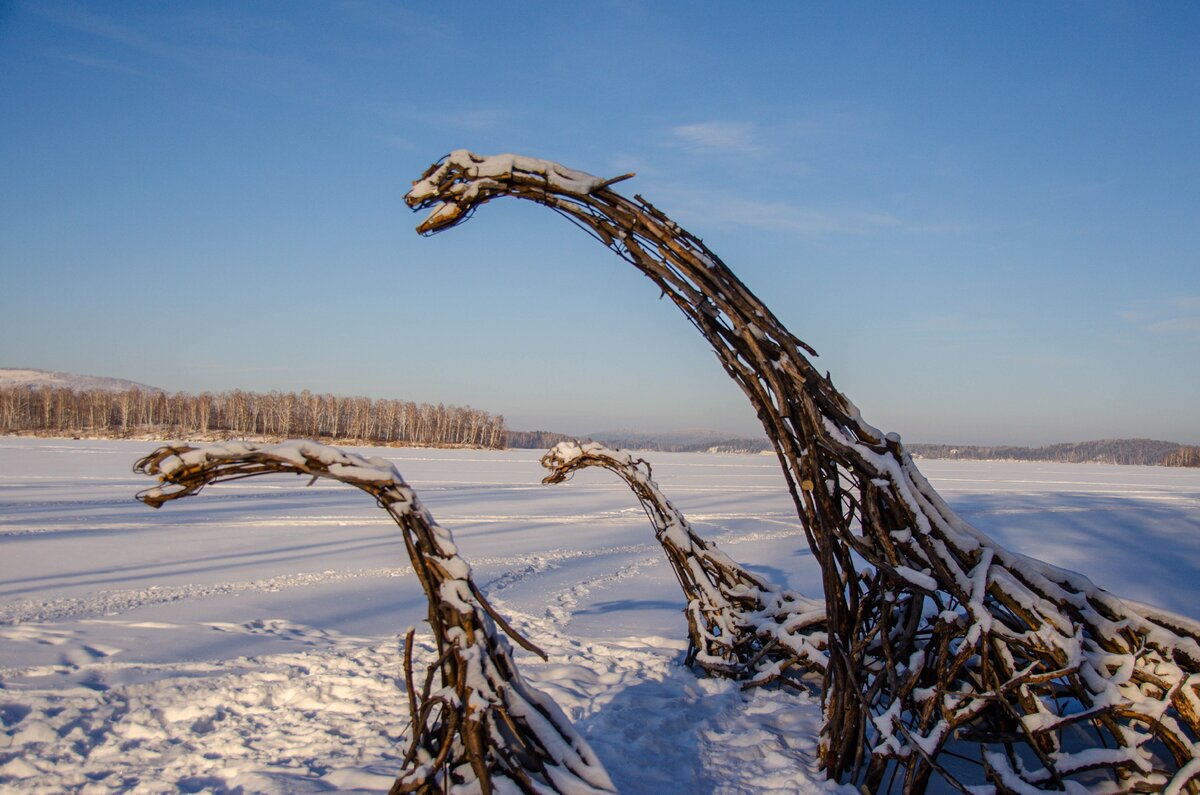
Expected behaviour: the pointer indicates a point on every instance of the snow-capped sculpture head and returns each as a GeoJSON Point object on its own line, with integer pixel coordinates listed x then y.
{"type": "Point", "coordinates": [462, 180]}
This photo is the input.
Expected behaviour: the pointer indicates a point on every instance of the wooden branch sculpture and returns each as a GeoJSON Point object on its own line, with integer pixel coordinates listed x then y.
{"type": "Point", "coordinates": [481, 725]}
{"type": "Point", "coordinates": [938, 636]}
{"type": "Point", "coordinates": [739, 625]}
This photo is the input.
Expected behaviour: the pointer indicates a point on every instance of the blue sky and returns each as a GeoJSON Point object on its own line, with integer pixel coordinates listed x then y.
{"type": "Point", "coordinates": [985, 217]}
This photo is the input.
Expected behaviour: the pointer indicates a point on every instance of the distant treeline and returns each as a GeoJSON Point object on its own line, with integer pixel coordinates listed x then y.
{"type": "Point", "coordinates": [546, 439]}
{"type": "Point", "coordinates": [1183, 457]}
{"type": "Point", "coordinates": [536, 440]}
{"type": "Point", "coordinates": [697, 446]}
{"type": "Point", "coordinates": [97, 412]}
{"type": "Point", "coordinates": [1104, 451]}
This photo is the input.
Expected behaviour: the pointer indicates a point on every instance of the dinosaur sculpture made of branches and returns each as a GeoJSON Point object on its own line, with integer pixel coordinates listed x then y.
{"type": "Point", "coordinates": [948, 655]}
{"type": "Point", "coordinates": [739, 625]}
{"type": "Point", "coordinates": [481, 725]}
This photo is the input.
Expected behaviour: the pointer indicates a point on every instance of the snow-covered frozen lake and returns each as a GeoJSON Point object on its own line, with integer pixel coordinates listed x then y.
{"type": "Point", "coordinates": [248, 637]}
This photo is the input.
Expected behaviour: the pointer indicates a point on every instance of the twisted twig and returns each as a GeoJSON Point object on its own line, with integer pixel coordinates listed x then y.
{"type": "Point", "coordinates": [943, 634]}
{"type": "Point", "coordinates": [482, 724]}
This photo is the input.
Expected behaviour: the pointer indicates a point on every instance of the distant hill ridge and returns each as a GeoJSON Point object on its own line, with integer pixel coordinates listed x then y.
{"type": "Point", "coordinates": [21, 376]}
{"type": "Point", "coordinates": [1143, 452]}
{"type": "Point", "coordinates": [718, 444]}
{"type": "Point", "coordinates": [688, 441]}
{"type": "Point", "coordinates": [1103, 451]}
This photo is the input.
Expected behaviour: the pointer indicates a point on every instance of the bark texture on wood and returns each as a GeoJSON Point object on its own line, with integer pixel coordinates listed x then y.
{"type": "Point", "coordinates": [949, 656]}
{"type": "Point", "coordinates": [476, 723]}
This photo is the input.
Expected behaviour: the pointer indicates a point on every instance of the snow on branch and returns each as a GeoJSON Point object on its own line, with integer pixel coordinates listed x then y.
{"type": "Point", "coordinates": [477, 725]}
{"type": "Point", "coordinates": [940, 641]}
{"type": "Point", "coordinates": [739, 625]}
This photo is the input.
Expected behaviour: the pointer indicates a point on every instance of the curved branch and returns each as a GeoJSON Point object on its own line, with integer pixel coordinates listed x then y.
{"type": "Point", "coordinates": [482, 724]}
{"type": "Point", "coordinates": [936, 632]}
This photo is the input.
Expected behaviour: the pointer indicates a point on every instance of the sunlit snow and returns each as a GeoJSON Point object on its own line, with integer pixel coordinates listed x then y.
{"type": "Point", "coordinates": [249, 637]}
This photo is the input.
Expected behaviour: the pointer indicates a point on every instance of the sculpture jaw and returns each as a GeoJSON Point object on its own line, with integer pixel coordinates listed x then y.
{"type": "Point", "coordinates": [443, 216]}
{"type": "Point", "coordinates": [442, 190]}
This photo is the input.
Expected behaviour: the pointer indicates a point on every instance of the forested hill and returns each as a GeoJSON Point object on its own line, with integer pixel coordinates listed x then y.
{"type": "Point", "coordinates": [1103, 451]}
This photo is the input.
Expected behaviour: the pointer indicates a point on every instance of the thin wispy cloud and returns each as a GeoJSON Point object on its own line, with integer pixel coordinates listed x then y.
{"type": "Point", "coordinates": [957, 324]}
{"type": "Point", "coordinates": [813, 131]}
{"type": "Point", "coordinates": [1041, 360]}
{"type": "Point", "coordinates": [943, 324]}
{"type": "Point", "coordinates": [477, 119]}
{"type": "Point", "coordinates": [240, 29]}
{"type": "Point", "coordinates": [782, 216]}
{"type": "Point", "coordinates": [779, 215]}
{"type": "Point", "coordinates": [402, 17]}
{"type": "Point", "coordinates": [1176, 325]}
{"type": "Point", "coordinates": [716, 137]}
{"type": "Point", "coordinates": [457, 120]}
{"type": "Point", "coordinates": [245, 65]}
{"type": "Point", "coordinates": [100, 64]}
{"type": "Point", "coordinates": [399, 142]}
{"type": "Point", "coordinates": [87, 22]}
{"type": "Point", "coordinates": [1178, 314]}
{"type": "Point", "coordinates": [625, 163]}
{"type": "Point", "coordinates": [847, 121]}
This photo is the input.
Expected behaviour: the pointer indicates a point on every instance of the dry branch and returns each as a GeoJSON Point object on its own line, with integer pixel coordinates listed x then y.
{"type": "Point", "coordinates": [739, 625]}
{"type": "Point", "coordinates": [476, 723]}
{"type": "Point", "coordinates": [937, 635]}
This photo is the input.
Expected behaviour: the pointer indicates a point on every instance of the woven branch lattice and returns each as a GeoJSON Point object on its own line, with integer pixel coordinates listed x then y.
{"type": "Point", "coordinates": [739, 625]}
{"type": "Point", "coordinates": [949, 656]}
{"type": "Point", "coordinates": [479, 726]}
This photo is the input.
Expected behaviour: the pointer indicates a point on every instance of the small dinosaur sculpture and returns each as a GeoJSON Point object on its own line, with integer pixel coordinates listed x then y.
{"type": "Point", "coordinates": [481, 726]}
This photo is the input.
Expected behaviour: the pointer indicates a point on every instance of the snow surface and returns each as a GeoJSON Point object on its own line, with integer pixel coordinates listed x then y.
{"type": "Point", "coordinates": [249, 637]}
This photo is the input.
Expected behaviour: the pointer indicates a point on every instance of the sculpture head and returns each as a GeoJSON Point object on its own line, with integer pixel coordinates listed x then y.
{"type": "Point", "coordinates": [462, 180]}
{"type": "Point", "coordinates": [443, 187]}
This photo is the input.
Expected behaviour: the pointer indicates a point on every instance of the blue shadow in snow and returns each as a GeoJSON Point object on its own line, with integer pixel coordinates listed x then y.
{"type": "Point", "coordinates": [1147, 550]}
{"type": "Point", "coordinates": [617, 605]}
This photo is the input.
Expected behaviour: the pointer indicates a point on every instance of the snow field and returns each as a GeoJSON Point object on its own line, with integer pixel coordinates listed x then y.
{"type": "Point", "coordinates": [248, 639]}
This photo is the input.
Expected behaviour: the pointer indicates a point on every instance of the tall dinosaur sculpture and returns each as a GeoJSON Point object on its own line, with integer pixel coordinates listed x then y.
{"type": "Point", "coordinates": [479, 727]}
{"type": "Point", "coordinates": [949, 657]}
